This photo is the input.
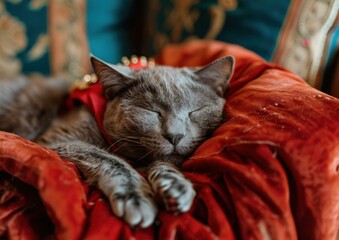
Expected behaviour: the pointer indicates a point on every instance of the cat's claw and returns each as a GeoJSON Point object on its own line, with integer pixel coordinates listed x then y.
{"type": "Point", "coordinates": [134, 203]}
{"type": "Point", "coordinates": [135, 209]}
{"type": "Point", "coordinates": [176, 191]}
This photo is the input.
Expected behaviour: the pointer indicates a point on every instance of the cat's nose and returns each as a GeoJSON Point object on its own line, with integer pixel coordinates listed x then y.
{"type": "Point", "coordinates": [174, 138]}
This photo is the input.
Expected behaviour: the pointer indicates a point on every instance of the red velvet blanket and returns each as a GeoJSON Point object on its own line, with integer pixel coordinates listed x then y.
{"type": "Point", "coordinates": [269, 172]}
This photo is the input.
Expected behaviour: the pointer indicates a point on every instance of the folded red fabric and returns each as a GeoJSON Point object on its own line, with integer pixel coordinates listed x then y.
{"type": "Point", "coordinates": [269, 172]}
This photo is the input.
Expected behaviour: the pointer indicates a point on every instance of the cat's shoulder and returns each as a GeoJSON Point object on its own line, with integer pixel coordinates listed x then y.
{"type": "Point", "coordinates": [74, 124]}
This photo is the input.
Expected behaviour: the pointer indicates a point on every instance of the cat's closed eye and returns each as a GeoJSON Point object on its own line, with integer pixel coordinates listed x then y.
{"type": "Point", "coordinates": [152, 112]}
{"type": "Point", "coordinates": [196, 111]}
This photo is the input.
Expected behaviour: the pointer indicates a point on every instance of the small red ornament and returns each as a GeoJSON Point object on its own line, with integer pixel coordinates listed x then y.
{"type": "Point", "coordinates": [305, 42]}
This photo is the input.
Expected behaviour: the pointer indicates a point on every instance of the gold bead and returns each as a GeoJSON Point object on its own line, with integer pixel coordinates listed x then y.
{"type": "Point", "coordinates": [134, 59]}
{"type": "Point", "coordinates": [87, 78]}
{"type": "Point", "coordinates": [143, 61]}
{"type": "Point", "coordinates": [151, 62]}
{"type": "Point", "coordinates": [94, 78]}
{"type": "Point", "coordinates": [125, 61]}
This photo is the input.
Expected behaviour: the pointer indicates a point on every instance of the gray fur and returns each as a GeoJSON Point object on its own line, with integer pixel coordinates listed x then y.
{"type": "Point", "coordinates": [155, 118]}
{"type": "Point", "coordinates": [28, 105]}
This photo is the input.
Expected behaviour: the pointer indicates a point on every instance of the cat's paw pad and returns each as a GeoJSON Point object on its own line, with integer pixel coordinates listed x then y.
{"type": "Point", "coordinates": [176, 191]}
{"type": "Point", "coordinates": [134, 205]}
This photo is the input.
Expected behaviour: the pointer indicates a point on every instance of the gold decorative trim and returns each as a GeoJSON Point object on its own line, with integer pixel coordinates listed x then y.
{"type": "Point", "coordinates": [84, 82]}
{"type": "Point", "coordinates": [13, 40]}
{"type": "Point", "coordinates": [302, 42]}
{"type": "Point", "coordinates": [69, 46]}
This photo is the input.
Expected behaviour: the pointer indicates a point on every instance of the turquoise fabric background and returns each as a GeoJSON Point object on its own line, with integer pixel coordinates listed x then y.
{"type": "Point", "coordinates": [36, 24]}
{"type": "Point", "coordinates": [108, 27]}
{"type": "Point", "coordinates": [330, 66]}
{"type": "Point", "coordinates": [253, 24]}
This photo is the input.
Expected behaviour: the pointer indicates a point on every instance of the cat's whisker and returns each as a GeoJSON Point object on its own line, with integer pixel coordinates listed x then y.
{"type": "Point", "coordinates": [113, 144]}
{"type": "Point", "coordinates": [125, 145]}
{"type": "Point", "coordinates": [121, 146]}
{"type": "Point", "coordinates": [145, 155]}
{"type": "Point", "coordinates": [126, 139]}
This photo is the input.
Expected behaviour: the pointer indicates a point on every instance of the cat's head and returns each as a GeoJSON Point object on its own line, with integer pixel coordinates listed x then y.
{"type": "Point", "coordinates": [162, 113]}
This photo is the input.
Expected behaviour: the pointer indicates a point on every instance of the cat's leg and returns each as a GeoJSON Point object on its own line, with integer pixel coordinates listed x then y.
{"type": "Point", "coordinates": [175, 190]}
{"type": "Point", "coordinates": [130, 195]}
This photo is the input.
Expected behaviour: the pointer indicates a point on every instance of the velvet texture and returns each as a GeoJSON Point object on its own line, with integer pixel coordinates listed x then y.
{"type": "Point", "coordinates": [270, 170]}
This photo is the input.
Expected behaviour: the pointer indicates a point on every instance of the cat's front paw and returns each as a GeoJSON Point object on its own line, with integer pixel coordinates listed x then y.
{"type": "Point", "coordinates": [134, 203]}
{"type": "Point", "coordinates": [175, 190]}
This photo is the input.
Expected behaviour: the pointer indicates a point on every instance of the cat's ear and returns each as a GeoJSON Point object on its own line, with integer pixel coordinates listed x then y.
{"type": "Point", "coordinates": [217, 74]}
{"type": "Point", "coordinates": [114, 79]}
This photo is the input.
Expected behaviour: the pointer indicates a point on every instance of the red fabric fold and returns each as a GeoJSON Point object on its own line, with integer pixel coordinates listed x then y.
{"type": "Point", "coordinates": [58, 192]}
{"type": "Point", "coordinates": [271, 170]}
{"type": "Point", "coordinates": [93, 98]}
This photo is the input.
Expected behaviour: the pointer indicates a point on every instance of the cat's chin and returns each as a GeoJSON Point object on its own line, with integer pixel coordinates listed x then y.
{"type": "Point", "coordinates": [175, 159]}
{"type": "Point", "coordinates": [142, 155]}
{"type": "Point", "coordinates": [178, 155]}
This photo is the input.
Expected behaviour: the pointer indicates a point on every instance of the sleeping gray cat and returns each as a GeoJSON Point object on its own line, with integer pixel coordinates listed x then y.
{"type": "Point", "coordinates": [155, 118]}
